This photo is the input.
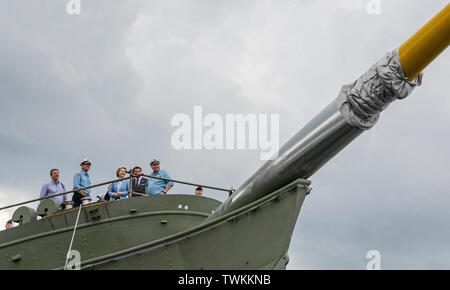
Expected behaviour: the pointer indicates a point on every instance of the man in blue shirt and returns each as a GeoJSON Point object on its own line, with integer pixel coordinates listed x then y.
{"type": "Point", "coordinates": [54, 186]}
{"type": "Point", "coordinates": [158, 186]}
{"type": "Point", "coordinates": [81, 179]}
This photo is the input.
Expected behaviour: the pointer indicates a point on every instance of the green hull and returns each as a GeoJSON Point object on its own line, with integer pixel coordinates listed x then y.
{"type": "Point", "coordinates": [161, 232]}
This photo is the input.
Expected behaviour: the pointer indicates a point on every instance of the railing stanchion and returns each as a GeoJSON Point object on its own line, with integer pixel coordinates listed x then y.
{"type": "Point", "coordinates": [130, 187]}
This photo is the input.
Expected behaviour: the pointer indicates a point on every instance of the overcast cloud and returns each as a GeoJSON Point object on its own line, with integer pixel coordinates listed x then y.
{"type": "Point", "coordinates": [106, 83]}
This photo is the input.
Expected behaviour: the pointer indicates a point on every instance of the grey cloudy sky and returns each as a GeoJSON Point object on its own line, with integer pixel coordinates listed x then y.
{"type": "Point", "coordinates": [106, 83]}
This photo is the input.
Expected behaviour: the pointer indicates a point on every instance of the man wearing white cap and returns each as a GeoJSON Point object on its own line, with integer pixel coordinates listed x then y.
{"type": "Point", "coordinates": [81, 179]}
{"type": "Point", "coordinates": [158, 186]}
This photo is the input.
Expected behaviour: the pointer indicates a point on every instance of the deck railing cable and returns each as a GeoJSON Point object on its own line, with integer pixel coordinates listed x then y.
{"type": "Point", "coordinates": [112, 181]}
{"type": "Point", "coordinates": [189, 183]}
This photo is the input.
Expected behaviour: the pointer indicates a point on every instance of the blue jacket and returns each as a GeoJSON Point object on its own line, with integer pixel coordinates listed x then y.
{"type": "Point", "coordinates": [123, 188]}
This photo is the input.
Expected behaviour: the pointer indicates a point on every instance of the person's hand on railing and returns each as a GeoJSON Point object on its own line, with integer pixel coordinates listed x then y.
{"type": "Point", "coordinates": [82, 193]}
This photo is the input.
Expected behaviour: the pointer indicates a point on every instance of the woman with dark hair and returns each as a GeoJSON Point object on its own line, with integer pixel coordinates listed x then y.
{"type": "Point", "coordinates": [119, 189]}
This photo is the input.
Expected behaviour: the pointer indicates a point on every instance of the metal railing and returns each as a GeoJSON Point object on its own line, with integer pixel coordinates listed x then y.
{"type": "Point", "coordinates": [189, 183]}
{"type": "Point", "coordinates": [130, 193]}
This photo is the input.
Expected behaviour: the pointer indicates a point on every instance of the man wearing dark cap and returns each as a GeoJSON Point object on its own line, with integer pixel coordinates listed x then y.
{"type": "Point", "coordinates": [9, 224]}
{"type": "Point", "coordinates": [81, 179]}
{"type": "Point", "coordinates": [158, 186]}
{"type": "Point", "coordinates": [199, 191]}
